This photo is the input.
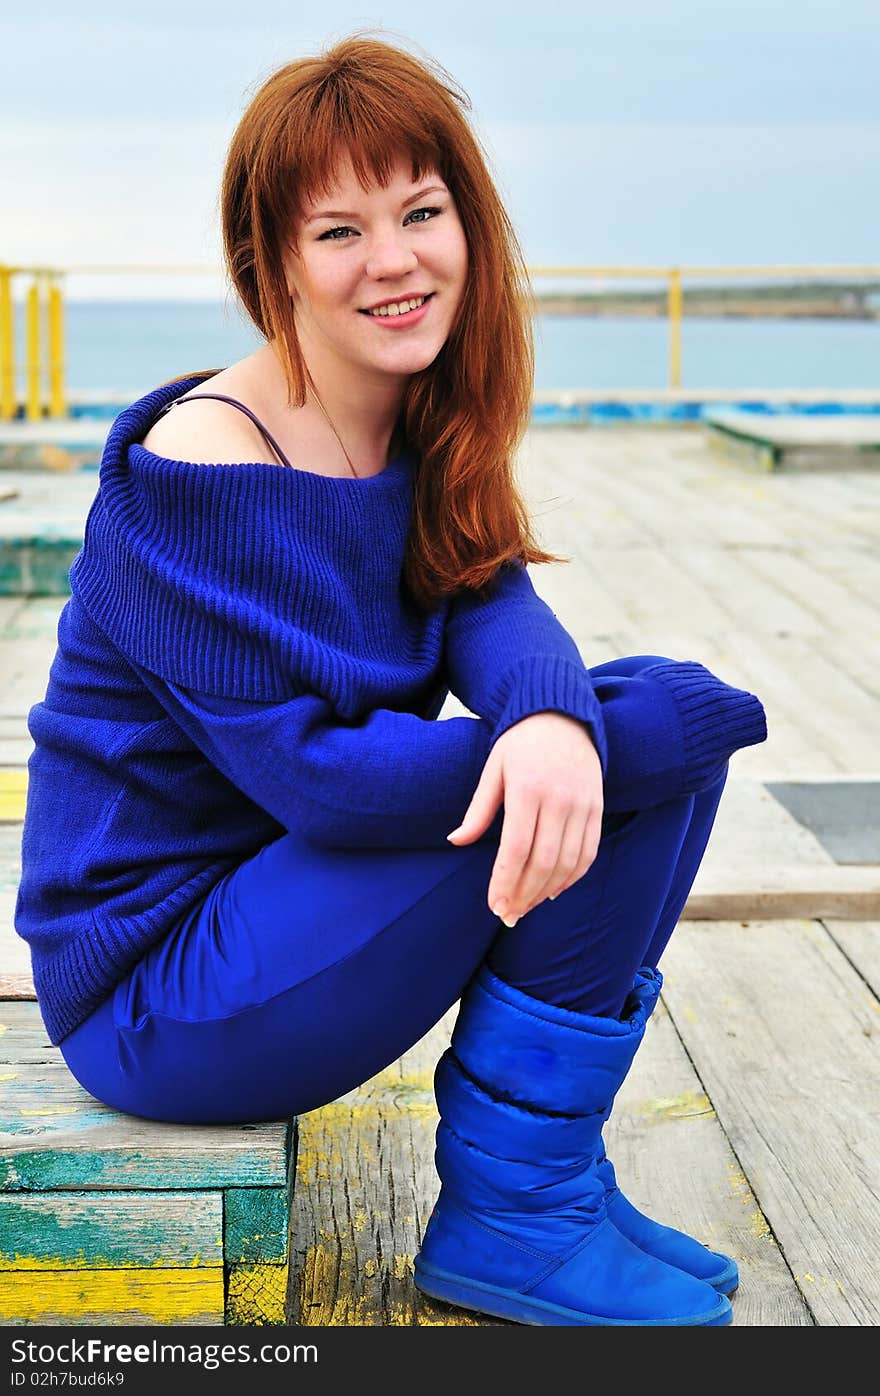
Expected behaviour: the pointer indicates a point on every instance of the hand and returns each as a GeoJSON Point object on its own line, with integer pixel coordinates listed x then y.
{"type": "Point", "coordinates": [547, 772]}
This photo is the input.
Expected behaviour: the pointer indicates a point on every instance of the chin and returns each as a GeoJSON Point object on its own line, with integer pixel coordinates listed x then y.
{"type": "Point", "coordinates": [407, 363]}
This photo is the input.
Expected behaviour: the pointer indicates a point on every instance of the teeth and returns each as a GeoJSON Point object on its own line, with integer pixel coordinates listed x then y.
{"type": "Point", "coordinates": [400, 308]}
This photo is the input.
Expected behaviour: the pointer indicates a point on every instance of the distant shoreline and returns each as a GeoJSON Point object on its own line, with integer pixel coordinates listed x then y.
{"type": "Point", "coordinates": [658, 309]}
{"type": "Point", "coordinates": [810, 301]}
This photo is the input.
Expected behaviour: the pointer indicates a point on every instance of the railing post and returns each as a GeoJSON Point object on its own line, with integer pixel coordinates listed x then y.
{"type": "Point", "coordinates": [57, 405]}
{"type": "Point", "coordinates": [675, 327]}
{"type": "Point", "coordinates": [33, 394]}
{"type": "Point", "coordinates": [8, 403]}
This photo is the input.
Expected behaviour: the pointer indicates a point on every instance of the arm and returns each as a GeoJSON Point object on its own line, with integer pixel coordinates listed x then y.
{"type": "Point", "coordinates": [392, 779]}
{"type": "Point", "coordinates": [508, 656]}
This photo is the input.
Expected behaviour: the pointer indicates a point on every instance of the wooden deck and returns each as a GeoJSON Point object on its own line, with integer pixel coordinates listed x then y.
{"type": "Point", "coordinates": [751, 1116]}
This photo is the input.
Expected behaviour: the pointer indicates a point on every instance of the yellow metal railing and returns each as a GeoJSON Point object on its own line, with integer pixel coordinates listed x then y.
{"type": "Point", "coordinates": [44, 326]}
{"type": "Point", "coordinates": [45, 357]}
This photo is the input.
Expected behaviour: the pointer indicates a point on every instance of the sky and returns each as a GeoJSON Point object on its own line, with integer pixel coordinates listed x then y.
{"type": "Point", "coordinates": [639, 134]}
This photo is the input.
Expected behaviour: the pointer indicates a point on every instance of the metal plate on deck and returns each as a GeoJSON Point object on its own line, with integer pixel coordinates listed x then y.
{"type": "Point", "coordinates": [843, 815]}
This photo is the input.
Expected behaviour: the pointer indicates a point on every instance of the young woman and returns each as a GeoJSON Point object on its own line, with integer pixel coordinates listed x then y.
{"type": "Point", "coordinates": [256, 868]}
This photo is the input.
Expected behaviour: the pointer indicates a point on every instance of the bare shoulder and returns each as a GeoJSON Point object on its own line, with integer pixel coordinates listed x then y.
{"type": "Point", "coordinates": [208, 432]}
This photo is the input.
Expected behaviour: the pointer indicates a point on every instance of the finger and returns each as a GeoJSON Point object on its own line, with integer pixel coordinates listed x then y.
{"type": "Point", "coordinates": [587, 854]}
{"type": "Point", "coordinates": [571, 846]}
{"type": "Point", "coordinates": [543, 861]}
{"type": "Point", "coordinates": [483, 807]}
{"type": "Point", "coordinates": [514, 847]}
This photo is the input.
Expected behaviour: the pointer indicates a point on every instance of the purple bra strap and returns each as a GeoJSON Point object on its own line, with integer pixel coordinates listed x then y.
{"type": "Point", "coordinates": [256, 421]}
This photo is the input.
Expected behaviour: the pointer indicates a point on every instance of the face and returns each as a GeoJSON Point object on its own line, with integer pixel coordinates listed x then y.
{"type": "Point", "coordinates": [359, 249]}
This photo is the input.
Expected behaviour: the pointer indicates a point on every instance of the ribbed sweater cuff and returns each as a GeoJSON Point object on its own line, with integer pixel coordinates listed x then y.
{"type": "Point", "coordinates": [716, 718]}
{"type": "Point", "coordinates": [552, 683]}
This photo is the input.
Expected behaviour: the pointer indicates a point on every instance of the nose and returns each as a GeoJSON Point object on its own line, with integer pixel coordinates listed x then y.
{"type": "Point", "coordinates": [391, 255]}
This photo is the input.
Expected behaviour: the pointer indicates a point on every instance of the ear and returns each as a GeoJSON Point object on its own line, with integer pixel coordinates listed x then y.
{"type": "Point", "coordinates": [288, 263]}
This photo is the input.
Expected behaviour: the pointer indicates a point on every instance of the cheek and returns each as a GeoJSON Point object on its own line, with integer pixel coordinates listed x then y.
{"type": "Point", "coordinates": [458, 255]}
{"type": "Point", "coordinates": [330, 283]}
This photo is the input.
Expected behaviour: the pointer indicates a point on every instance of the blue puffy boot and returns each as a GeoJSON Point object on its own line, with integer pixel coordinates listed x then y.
{"type": "Point", "coordinates": [664, 1242]}
{"type": "Point", "coordinates": [520, 1228]}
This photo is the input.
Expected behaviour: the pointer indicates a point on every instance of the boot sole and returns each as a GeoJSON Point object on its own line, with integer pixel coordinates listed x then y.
{"type": "Point", "coordinates": [727, 1282]}
{"type": "Point", "coordinates": [506, 1303]}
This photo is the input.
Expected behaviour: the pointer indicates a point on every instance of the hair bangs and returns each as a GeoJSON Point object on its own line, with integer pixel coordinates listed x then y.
{"type": "Point", "coordinates": [345, 127]}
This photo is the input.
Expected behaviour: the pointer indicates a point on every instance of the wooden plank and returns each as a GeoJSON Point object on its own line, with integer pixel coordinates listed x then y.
{"type": "Point", "coordinates": [112, 1297]}
{"type": "Point", "coordinates": [28, 641]}
{"type": "Point", "coordinates": [365, 1185]}
{"type": "Point", "coordinates": [780, 893]}
{"type": "Point", "coordinates": [23, 1037]}
{"type": "Point", "coordinates": [105, 1230]}
{"type": "Point", "coordinates": [255, 1225]}
{"type": "Point", "coordinates": [16, 986]}
{"type": "Point", "coordinates": [256, 1294]}
{"type": "Point", "coordinates": [54, 1135]}
{"type": "Point", "coordinates": [13, 794]}
{"type": "Point", "coordinates": [783, 1033]}
{"type": "Point", "coordinates": [674, 1162]}
{"type": "Point", "coordinates": [796, 429]}
{"type": "Point", "coordinates": [860, 943]}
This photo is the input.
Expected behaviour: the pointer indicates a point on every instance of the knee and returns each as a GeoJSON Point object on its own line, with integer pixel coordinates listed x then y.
{"type": "Point", "coordinates": [630, 664]}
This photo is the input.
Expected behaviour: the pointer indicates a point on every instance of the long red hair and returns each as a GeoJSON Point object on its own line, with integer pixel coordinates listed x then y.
{"type": "Point", "coordinates": [466, 413]}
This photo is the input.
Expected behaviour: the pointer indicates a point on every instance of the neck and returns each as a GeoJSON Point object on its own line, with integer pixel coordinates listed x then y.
{"type": "Point", "coordinates": [364, 413]}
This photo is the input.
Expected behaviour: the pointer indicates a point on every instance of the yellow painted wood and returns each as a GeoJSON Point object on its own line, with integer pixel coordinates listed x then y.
{"type": "Point", "coordinates": [33, 365]}
{"type": "Point", "coordinates": [7, 347]}
{"type": "Point", "coordinates": [675, 305]}
{"type": "Point", "coordinates": [57, 404]}
{"type": "Point", "coordinates": [185, 1296]}
{"type": "Point", "coordinates": [13, 793]}
{"type": "Point", "coordinates": [257, 1294]}
{"type": "Point", "coordinates": [365, 1184]}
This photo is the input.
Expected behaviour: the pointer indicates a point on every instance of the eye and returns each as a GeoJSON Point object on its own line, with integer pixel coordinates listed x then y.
{"type": "Point", "coordinates": [425, 210]}
{"type": "Point", "coordinates": [328, 236]}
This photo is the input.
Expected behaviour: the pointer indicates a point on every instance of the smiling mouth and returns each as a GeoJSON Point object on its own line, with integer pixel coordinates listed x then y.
{"type": "Point", "coordinates": [394, 314]}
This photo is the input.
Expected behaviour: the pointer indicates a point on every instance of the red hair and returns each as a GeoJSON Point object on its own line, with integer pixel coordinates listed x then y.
{"type": "Point", "coordinates": [466, 413]}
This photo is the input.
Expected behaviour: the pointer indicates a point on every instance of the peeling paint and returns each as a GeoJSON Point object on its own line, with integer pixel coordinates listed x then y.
{"type": "Point", "coordinates": [760, 1227]}
{"type": "Point", "coordinates": [679, 1107]}
{"type": "Point", "coordinates": [75, 1295]}
{"type": "Point", "coordinates": [53, 1110]}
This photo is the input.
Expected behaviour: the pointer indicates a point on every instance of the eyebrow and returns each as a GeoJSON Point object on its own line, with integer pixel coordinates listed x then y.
{"type": "Point", "coordinates": [342, 213]}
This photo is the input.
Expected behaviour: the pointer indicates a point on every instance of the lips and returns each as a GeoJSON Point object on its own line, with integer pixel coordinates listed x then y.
{"type": "Point", "coordinates": [379, 307]}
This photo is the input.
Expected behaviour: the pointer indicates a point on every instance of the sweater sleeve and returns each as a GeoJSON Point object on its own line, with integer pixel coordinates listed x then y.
{"type": "Point", "coordinates": [672, 727]}
{"type": "Point", "coordinates": [507, 656]}
{"type": "Point", "coordinates": [392, 779]}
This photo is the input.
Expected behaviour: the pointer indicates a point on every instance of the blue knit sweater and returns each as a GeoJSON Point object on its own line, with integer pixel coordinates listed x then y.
{"type": "Point", "coordinates": [239, 658]}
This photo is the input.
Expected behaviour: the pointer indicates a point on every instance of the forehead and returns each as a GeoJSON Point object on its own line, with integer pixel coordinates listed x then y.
{"type": "Point", "coordinates": [342, 180]}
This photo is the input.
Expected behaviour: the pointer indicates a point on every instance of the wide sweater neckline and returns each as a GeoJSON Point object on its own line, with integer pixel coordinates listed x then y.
{"type": "Point", "coordinates": [153, 402]}
{"type": "Point", "coordinates": [245, 579]}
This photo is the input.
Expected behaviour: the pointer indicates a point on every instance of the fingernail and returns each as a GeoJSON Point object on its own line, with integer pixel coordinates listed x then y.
{"type": "Point", "coordinates": [510, 922]}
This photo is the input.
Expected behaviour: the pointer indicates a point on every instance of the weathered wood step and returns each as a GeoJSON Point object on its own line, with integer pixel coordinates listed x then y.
{"type": "Point", "coordinates": [108, 1218]}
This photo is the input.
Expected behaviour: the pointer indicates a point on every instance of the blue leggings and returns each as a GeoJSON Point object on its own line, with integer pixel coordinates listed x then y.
{"type": "Point", "coordinates": [304, 971]}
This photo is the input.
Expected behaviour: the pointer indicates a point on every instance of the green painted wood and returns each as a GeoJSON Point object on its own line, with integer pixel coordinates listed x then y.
{"type": "Point", "coordinates": [100, 1230]}
{"type": "Point", "coordinates": [53, 1135]}
{"type": "Point", "coordinates": [36, 567]}
{"type": "Point", "coordinates": [255, 1225]}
